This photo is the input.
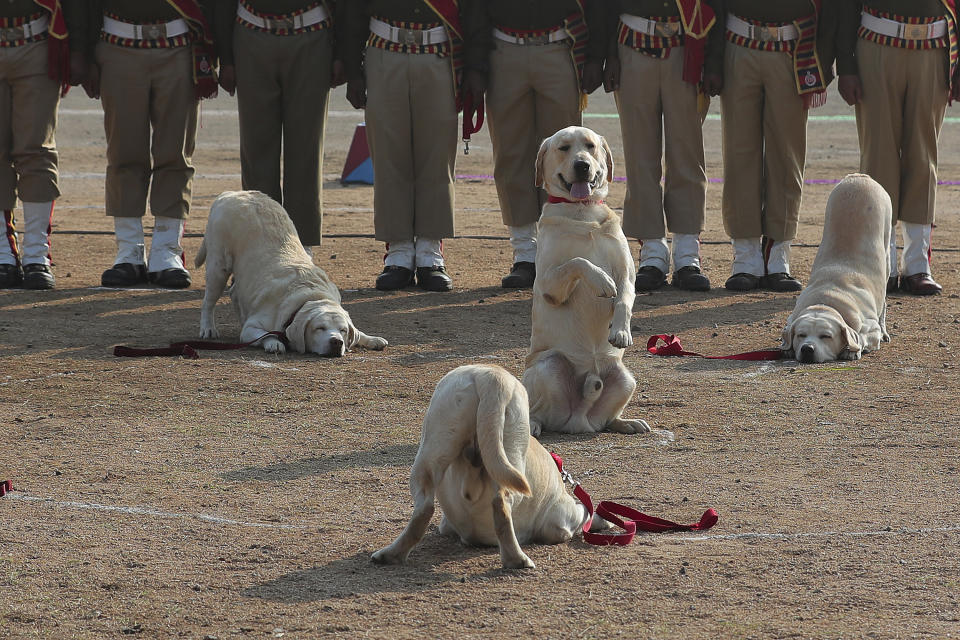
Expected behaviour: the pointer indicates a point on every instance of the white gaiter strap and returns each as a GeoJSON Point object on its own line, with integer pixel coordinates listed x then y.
{"type": "Point", "coordinates": [165, 249]}
{"type": "Point", "coordinates": [747, 257]}
{"type": "Point", "coordinates": [37, 218]}
{"type": "Point", "coordinates": [523, 240]}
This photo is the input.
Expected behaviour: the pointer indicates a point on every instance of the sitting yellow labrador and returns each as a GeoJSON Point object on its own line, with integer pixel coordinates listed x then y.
{"type": "Point", "coordinates": [496, 484]}
{"type": "Point", "coordinates": [841, 313]}
{"type": "Point", "coordinates": [583, 295]}
{"type": "Point", "coordinates": [276, 286]}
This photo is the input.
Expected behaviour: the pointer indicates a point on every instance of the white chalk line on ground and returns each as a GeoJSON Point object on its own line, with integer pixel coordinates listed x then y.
{"type": "Point", "coordinates": [9, 380]}
{"type": "Point", "coordinates": [143, 511]}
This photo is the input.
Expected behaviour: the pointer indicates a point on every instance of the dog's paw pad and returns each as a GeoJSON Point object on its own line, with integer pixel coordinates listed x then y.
{"type": "Point", "coordinates": [620, 339]}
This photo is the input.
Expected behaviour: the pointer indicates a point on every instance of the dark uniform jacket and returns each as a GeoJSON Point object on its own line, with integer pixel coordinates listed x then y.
{"type": "Point", "coordinates": [481, 16]}
{"type": "Point", "coordinates": [773, 11]}
{"type": "Point", "coordinates": [849, 22]}
{"type": "Point", "coordinates": [225, 19]}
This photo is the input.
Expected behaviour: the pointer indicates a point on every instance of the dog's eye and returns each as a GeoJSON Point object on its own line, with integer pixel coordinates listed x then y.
{"type": "Point", "coordinates": [825, 336]}
{"type": "Point", "coordinates": [801, 335]}
{"type": "Point", "coordinates": [564, 147]}
{"type": "Point", "coordinates": [590, 145]}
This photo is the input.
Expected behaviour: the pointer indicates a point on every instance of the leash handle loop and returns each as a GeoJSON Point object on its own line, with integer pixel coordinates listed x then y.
{"type": "Point", "coordinates": [188, 348]}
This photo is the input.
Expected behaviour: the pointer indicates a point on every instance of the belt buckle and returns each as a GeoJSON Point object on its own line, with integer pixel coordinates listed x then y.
{"type": "Point", "coordinates": [9, 34]}
{"type": "Point", "coordinates": [666, 29]}
{"type": "Point", "coordinates": [409, 37]}
{"type": "Point", "coordinates": [537, 40]}
{"type": "Point", "coordinates": [154, 31]}
{"type": "Point", "coordinates": [281, 24]}
{"type": "Point", "coordinates": [915, 31]}
{"type": "Point", "coordinates": [769, 34]}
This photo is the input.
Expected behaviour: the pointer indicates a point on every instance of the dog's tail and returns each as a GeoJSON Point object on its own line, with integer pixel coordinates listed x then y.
{"type": "Point", "coordinates": [491, 420]}
{"type": "Point", "coordinates": [201, 254]}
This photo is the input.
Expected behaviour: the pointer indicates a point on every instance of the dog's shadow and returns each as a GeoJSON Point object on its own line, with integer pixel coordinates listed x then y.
{"type": "Point", "coordinates": [398, 455]}
{"type": "Point", "coordinates": [430, 565]}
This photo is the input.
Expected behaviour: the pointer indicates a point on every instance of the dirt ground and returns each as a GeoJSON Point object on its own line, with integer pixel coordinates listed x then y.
{"type": "Point", "coordinates": [240, 495]}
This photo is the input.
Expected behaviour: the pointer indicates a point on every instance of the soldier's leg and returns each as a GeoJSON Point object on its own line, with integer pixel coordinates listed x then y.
{"type": "Point", "coordinates": [11, 275]}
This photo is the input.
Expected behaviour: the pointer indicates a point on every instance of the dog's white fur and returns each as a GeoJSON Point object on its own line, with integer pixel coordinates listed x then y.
{"type": "Point", "coordinates": [496, 484]}
{"type": "Point", "coordinates": [582, 296]}
{"type": "Point", "coordinates": [275, 282]}
{"type": "Point", "coordinates": [841, 313]}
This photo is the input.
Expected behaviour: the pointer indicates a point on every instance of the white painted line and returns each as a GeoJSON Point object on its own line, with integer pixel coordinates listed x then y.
{"type": "Point", "coordinates": [10, 380]}
{"type": "Point", "coordinates": [143, 511]}
{"type": "Point", "coordinates": [817, 534]}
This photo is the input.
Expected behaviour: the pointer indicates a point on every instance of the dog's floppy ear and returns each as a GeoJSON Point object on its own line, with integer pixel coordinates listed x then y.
{"type": "Point", "coordinates": [296, 332]}
{"type": "Point", "coordinates": [609, 160]}
{"type": "Point", "coordinates": [353, 336]}
{"type": "Point", "coordinates": [540, 154]}
{"type": "Point", "coordinates": [786, 339]}
{"type": "Point", "coordinates": [852, 338]}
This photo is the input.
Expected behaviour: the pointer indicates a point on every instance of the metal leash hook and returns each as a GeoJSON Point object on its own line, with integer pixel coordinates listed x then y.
{"type": "Point", "coordinates": [466, 146]}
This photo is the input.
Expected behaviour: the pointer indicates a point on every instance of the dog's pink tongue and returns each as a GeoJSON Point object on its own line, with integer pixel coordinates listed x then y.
{"type": "Point", "coordinates": [580, 190]}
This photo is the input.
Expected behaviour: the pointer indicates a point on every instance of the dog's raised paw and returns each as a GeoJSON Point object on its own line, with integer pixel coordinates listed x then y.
{"type": "Point", "coordinates": [620, 339]}
{"type": "Point", "coordinates": [606, 288]}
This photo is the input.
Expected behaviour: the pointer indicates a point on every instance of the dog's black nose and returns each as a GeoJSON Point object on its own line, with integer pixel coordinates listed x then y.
{"type": "Point", "coordinates": [582, 169]}
{"type": "Point", "coordinates": [806, 353]}
{"type": "Point", "coordinates": [336, 348]}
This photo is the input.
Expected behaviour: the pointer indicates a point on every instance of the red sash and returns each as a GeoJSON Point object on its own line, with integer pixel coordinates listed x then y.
{"type": "Point", "coordinates": [204, 75]}
{"type": "Point", "coordinates": [697, 20]}
{"type": "Point", "coordinates": [58, 50]}
{"type": "Point", "coordinates": [954, 50]}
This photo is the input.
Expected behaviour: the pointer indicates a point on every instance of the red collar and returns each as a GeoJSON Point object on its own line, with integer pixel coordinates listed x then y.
{"type": "Point", "coordinates": [556, 200]}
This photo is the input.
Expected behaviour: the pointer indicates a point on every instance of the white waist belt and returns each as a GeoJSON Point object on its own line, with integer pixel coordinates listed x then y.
{"type": "Point", "coordinates": [758, 32]}
{"type": "Point", "coordinates": [651, 27]}
{"type": "Point", "coordinates": [307, 18]}
{"type": "Point", "coordinates": [408, 37]}
{"type": "Point", "coordinates": [170, 29]}
{"type": "Point", "coordinates": [554, 36]}
{"type": "Point", "coordinates": [894, 29]}
{"type": "Point", "coordinates": [24, 31]}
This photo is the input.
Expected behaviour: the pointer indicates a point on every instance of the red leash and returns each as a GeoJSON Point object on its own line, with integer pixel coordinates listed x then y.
{"type": "Point", "coordinates": [5, 487]}
{"type": "Point", "coordinates": [634, 520]}
{"type": "Point", "coordinates": [672, 347]}
{"type": "Point", "coordinates": [188, 348]}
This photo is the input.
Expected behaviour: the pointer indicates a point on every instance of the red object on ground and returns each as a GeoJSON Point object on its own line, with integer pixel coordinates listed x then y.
{"type": "Point", "coordinates": [672, 347]}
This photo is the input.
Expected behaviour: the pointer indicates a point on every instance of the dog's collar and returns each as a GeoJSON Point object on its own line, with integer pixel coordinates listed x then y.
{"type": "Point", "coordinates": [557, 200]}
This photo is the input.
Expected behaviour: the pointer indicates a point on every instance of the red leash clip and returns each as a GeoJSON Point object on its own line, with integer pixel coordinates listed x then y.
{"type": "Point", "coordinates": [5, 487]}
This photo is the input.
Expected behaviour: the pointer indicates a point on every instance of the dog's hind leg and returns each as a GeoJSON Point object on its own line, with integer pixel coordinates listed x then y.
{"type": "Point", "coordinates": [884, 336]}
{"type": "Point", "coordinates": [553, 392]}
{"type": "Point", "coordinates": [511, 555]}
{"type": "Point", "coordinates": [217, 274]}
{"type": "Point", "coordinates": [618, 388]}
{"type": "Point", "coordinates": [423, 489]}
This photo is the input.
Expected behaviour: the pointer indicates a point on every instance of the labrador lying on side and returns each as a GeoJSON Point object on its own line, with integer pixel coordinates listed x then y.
{"type": "Point", "coordinates": [496, 484]}
{"type": "Point", "coordinates": [276, 286]}
{"type": "Point", "coordinates": [583, 294]}
{"type": "Point", "coordinates": [842, 311]}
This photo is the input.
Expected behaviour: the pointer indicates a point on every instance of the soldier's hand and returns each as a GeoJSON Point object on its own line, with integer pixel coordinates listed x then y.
{"type": "Point", "coordinates": [228, 78]}
{"type": "Point", "coordinates": [592, 76]}
{"type": "Point", "coordinates": [850, 88]}
{"type": "Point", "coordinates": [712, 84]}
{"type": "Point", "coordinates": [611, 75]}
{"type": "Point", "coordinates": [357, 92]}
{"type": "Point", "coordinates": [78, 68]}
{"type": "Point", "coordinates": [338, 74]}
{"type": "Point", "coordinates": [475, 83]}
{"type": "Point", "coordinates": [91, 83]}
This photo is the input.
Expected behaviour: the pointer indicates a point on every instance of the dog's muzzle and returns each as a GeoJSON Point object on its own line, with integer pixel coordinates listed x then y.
{"type": "Point", "coordinates": [336, 348]}
{"type": "Point", "coordinates": [806, 353]}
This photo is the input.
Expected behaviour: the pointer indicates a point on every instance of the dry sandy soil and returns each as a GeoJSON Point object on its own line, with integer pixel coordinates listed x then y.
{"type": "Point", "coordinates": [240, 495]}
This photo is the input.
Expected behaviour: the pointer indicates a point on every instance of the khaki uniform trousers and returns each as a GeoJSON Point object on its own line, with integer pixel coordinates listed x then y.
{"type": "Point", "coordinates": [654, 102]}
{"type": "Point", "coordinates": [764, 128]}
{"type": "Point", "coordinates": [28, 119]}
{"type": "Point", "coordinates": [282, 87]}
{"type": "Point", "coordinates": [531, 94]}
{"type": "Point", "coordinates": [898, 122]}
{"type": "Point", "coordinates": [412, 132]}
{"type": "Point", "coordinates": [140, 89]}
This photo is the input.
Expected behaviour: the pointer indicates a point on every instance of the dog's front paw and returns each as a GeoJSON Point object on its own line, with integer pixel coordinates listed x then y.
{"type": "Point", "coordinates": [209, 331]}
{"type": "Point", "coordinates": [849, 355]}
{"type": "Point", "coordinates": [885, 337]}
{"type": "Point", "coordinates": [384, 556]}
{"type": "Point", "coordinates": [619, 425]}
{"type": "Point", "coordinates": [620, 339]}
{"type": "Point", "coordinates": [606, 287]}
{"type": "Point", "coordinates": [522, 561]}
{"type": "Point", "coordinates": [272, 345]}
{"type": "Point", "coordinates": [377, 344]}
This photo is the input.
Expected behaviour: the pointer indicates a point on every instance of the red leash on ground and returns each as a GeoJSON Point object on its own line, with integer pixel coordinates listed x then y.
{"type": "Point", "coordinates": [5, 487]}
{"type": "Point", "coordinates": [634, 520]}
{"type": "Point", "coordinates": [188, 348]}
{"type": "Point", "coordinates": [672, 347]}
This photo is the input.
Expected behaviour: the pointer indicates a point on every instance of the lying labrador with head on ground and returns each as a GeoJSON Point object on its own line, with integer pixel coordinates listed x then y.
{"type": "Point", "coordinates": [841, 313]}
{"type": "Point", "coordinates": [496, 484]}
{"type": "Point", "coordinates": [276, 286]}
{"type": "Point", "coordinates": [583, 295]}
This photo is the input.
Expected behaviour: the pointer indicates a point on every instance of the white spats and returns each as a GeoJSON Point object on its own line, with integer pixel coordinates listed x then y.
{"type": "Point", "coordinates": [778, 257]}
{"type": "Point", "coordinates": [747, 256]}
{"type": "Point", "coordinates": [916, 248]}
{"type": "Point", "coordinates": [523, 240]}
{"type": "Point", "coordinates": [686, 250]}
{"type": "Point", "coordinates": [429, 252]}
{"type": "Point", "coordinates": [165, 249]}
{"type": "Point", "coordinates": [9, 251]}
{"type": "Point", "coordinates": [37, 217]}
{"type": "Point", "coordinates": [129, 236]}
{"type": "Point", "coordinates": [654, 252]}
{"type": "Point", "coordinates": [401, 254]}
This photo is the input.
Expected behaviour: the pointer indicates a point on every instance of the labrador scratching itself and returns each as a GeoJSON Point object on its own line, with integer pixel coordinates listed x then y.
{"type": "Point", "coordinates": [842, 311]}
{"type": "Point", "coordinates": [496, 484]}
{"type": "Point", "coordinates": [583, 294]}
{"type": "Point", "coordinates": [276, 287]}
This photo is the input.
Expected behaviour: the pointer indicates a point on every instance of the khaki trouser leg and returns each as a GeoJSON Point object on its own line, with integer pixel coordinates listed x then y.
{"type": "Point", "coordinates": [173, 113]}
{"type": "Point", "coordinates": [532, 94]}
{"type": "Point", "coordinates": [33, 114]}
{"type": "Point", "coordinates": [259, 101]}
{"type": "Point", "coordinates": [306, 87]}
{"type": "Point", "coordinates": [435, 137]}
{"type": "Point", "coordinates": [904, 94]}
{"type": "Point", "coordinates": [8, 177]}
